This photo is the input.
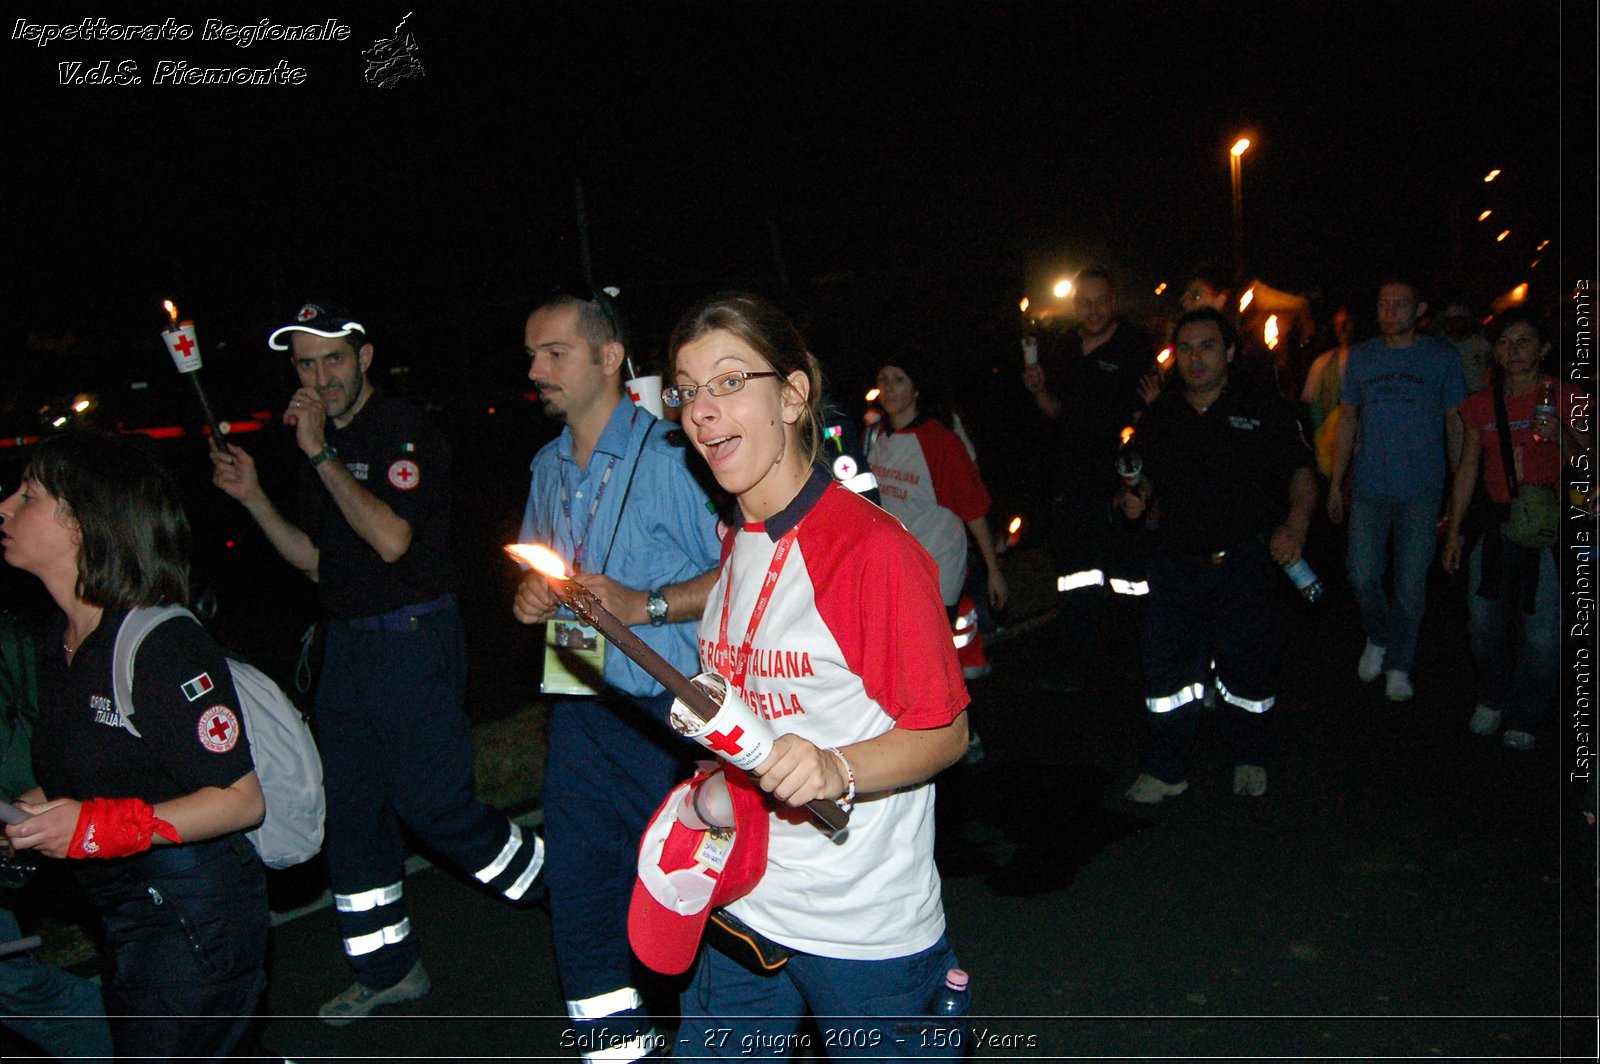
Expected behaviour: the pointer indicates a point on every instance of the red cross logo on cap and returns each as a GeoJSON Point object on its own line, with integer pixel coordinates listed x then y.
{"type": "Point", "coordinates": [726, 743]}
{"type": "Point", "coordinates": [307, 312]}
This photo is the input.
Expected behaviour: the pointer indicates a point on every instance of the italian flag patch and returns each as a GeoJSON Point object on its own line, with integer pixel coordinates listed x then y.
{"type": "Point", "coordinates": [198, 686]}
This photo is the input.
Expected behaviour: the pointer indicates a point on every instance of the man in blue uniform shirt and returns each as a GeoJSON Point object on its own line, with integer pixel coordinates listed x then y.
{"type": "Point", "coordinates": [374, 536]}
{"type": "Point", "coordinates": [614, 497]}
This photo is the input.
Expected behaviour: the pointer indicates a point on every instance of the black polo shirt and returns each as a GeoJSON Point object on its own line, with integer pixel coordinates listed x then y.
{"type": "Point", "coordinates": [397, 454]}
{"type": "Point", "coordinates": [191, 732]}
{"type": "Point", "coordinates": [1099, 393]}
{"type": "Point", "coordinates": [1220, 477]}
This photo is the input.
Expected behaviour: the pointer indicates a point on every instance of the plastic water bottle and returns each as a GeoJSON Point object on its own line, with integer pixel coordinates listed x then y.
{"type": "Point", "coordinates": [952, 1004]}
{"type": "Point", "coordinates": [1306, 580]}
{"type": "Point", "coordinates": [1544, 407]}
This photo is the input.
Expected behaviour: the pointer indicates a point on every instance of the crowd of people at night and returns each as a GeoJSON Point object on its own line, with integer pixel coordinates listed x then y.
{"type": "Point", "coordinates": [727, 532]}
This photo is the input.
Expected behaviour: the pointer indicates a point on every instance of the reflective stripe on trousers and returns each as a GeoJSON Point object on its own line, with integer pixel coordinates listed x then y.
{"type": "Point", "coordinates": [360, 945]}
{"type": "Point", "coordinates": [1245, 703]}
{"type": "Point", "coordinates": [1182, 696]}
{"type": "Point", "coordinates": [1083, 578]}
{"type": "Point", "coordinates": [1129, 587]}
{"type": "Point", "coordinates": [366, 900]}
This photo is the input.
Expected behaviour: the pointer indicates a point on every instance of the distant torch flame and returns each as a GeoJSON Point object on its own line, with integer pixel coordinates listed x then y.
{"type": "Point", "coordinates": [172, 311]}
{"type": "Point", "coordinates": [1024, 304]}
{"type": "Point", "coordinates": [540, 557]}
{"type": "Point", "coordinates": [1127, 434]}
{"type": "Point", "coordinates": [1016, 523]}
{"type": "Point", "coordinates": [1270, 332]}
{"type": "Point", "coordinates": [1245, 300]}
{"type": "Point", "coordinates": [872, 395]}
{"type": "Point", "coordinates": [1164, 357]}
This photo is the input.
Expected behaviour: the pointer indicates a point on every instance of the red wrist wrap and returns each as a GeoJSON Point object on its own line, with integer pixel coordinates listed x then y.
{"type": "Point", "coordinates": [117, 827]}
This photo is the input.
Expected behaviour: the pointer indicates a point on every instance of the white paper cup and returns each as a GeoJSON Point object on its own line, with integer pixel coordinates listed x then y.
{"type": "Point", "coordinates": [736, 734]}
{"type": "Point", "coordinates": [646, 392]}
{"type": "Point", "coordinates": [183, 347]}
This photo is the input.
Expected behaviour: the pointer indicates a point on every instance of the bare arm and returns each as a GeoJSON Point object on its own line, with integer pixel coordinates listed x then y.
{"type": "Point", "coordinates": [1290, 538]}
{"type": "Point", "coordinates": [1453, 430]}
{"type": "Point", "coordinates": [207, 813]}
{"type": "Point", "coordinates": [367, 515]}
{"type": "Point", "coordinates": [686, 601]}
{"type": "Point", "coordinates": [798, 771]}
{"type": "Point", "coordinates": [234, 471]}
{"type": "Point", "coordinates": [979, 527]}
{"type": "Point", "coordinates": [1344, 448]}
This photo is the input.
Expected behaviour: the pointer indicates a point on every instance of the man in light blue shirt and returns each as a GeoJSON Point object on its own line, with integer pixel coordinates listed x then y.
{"type": "Point", "coordinates": [614, 496]}
{"type": "Point", "coordinates": [1399, 410]}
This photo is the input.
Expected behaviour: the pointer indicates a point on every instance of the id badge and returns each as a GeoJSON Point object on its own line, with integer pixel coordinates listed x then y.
{"type": "Point", "coordinates": [574, 659]}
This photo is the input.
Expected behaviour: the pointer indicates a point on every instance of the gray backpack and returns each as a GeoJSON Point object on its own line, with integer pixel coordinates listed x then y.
{"type": "Point", "coordinates": [285, 754]}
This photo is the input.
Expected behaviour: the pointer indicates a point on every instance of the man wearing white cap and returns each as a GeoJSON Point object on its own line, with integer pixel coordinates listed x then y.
{"type": "Point", "coordinates": [373, 534]}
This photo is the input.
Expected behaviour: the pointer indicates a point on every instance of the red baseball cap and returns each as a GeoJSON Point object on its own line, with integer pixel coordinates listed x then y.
{"type": "Point", "coordinates": [685, 873]}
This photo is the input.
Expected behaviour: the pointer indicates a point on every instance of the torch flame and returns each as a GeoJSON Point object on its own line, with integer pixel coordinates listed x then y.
{"type": "Point", "coordinates": [1127, 434]}
{"type": "Point", "coordinates": [1164, 357]}
{"type": "Point", "coordinates": [1016, 523]}
{"type": "Point", "coordinates": [172, 311]}
{"type": "Point", "coordinates": [1270, 332]}
{"type": "Point", "coordinates": [540, 557]}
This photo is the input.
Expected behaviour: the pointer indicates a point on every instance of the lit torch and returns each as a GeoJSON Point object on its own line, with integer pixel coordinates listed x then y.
{"type": "Point", "coordinates": [185, 351]}
{"type": "Point", "coordinates": [707, 710]}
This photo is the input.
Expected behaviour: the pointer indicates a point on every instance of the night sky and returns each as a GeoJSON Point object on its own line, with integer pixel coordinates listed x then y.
{"type": "Point", "coordinates": [915, 167]}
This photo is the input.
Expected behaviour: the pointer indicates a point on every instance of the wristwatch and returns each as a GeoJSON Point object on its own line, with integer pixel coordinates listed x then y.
{"type": "Point", "coordinates": [323, 455]}
{"type": "Point", "coordinates": [656, 607]}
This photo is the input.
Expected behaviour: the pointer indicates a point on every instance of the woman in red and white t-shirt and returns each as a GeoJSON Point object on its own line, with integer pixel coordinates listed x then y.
{"type": "Point", "coordinates": [826, 617]}
{"type": "Point", "coordinates": [1513, 593]}
{"type": "Point", "coordinates": [929, 481]}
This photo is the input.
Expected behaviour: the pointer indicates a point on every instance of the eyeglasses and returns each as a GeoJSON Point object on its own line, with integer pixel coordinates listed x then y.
{"type": "Point", "coordinates": [602, 297]}
{"type": "Point", "coordinates": [726, 384]}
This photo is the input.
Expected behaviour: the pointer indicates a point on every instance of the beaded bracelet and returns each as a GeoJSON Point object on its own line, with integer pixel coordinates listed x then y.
{"type": "Point", "coordinates": [848, 801]}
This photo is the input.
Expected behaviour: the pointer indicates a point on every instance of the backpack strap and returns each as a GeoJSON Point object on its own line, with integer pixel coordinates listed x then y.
{"type": "Point", "coordinates": [1502, 424]}
{"type": "Point", "coordinates": [136, 625]}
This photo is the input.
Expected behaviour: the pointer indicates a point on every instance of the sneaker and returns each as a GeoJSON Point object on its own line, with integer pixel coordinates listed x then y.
{"type": "Point", "coordinates": [1147, 790]}
{"type": "Point", "coordinates": [359, 1000]}
{"type": "Point", "coordinates": [1371, 663]}
{"type": "Point", "coordinates": [1249, 780]}
{"type": "Point", "coordinates": [1485, 721]}
{"type": "Point", "coordinates": [1517, 740]}
{"type": "Point", "coordinates": [1397, 686]}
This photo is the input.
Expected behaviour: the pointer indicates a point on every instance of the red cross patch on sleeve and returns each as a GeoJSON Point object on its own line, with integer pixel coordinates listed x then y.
{"type": "Point", "coordinates": [219, 729]}
{"type": "Point", "coordinates": [404, 474]}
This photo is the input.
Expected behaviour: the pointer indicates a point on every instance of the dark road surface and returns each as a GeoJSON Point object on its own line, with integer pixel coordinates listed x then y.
{"type": "Point", "coordinates": [1405, 889]}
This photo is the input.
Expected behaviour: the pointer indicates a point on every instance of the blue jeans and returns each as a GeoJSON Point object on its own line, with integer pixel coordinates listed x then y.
{"type": "Point", "coordinates": [1516, 652]}
{"type": "Point", "coordinates": [55, 1010]}
{"type": "Point", "coordinates": [1392, 624]}
{"type": "Point", "coordinates": [863, 1008]}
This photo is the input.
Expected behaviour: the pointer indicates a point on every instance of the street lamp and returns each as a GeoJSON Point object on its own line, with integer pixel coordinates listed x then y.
{"type": "Point", "coordinates": [1235, 154]}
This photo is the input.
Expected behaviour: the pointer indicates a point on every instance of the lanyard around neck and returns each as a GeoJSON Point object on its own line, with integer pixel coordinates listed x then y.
{"type": "Point", "coordinates": [741, 663]}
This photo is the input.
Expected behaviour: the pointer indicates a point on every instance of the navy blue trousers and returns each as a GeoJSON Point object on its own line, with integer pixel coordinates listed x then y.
{"type": "Point", "coordinates": [1199, 613]}
{"type": "Point", "coordinates": [187, 926]}
{"type": "Point", "coordinates": [397, 750]}
{"type": "Point", "coordinates": [611, 763]}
